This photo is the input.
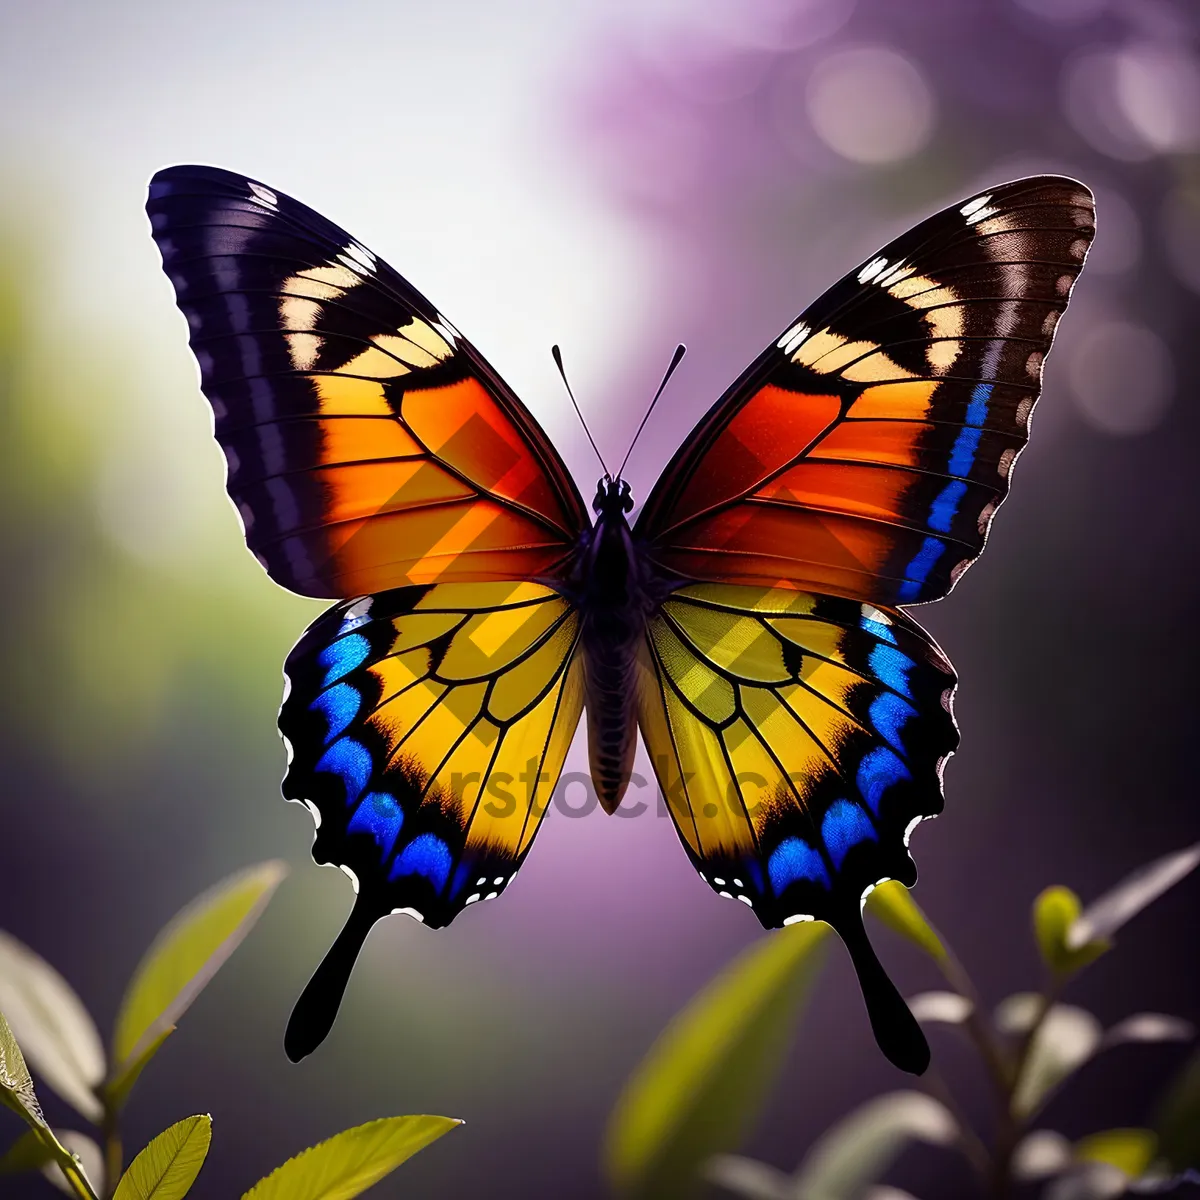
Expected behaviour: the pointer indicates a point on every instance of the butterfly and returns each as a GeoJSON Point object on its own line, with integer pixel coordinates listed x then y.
{"type": "Point", "coordinates": [750, 623]}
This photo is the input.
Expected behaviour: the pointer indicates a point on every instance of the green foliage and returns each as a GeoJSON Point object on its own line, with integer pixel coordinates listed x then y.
{"type": "Point", "coordinates": [701, 1085]}
{"type": "Point", "coordinates": [168, 1166]}
{"type": "Point", "coordinates": [54, 1027]}
{"type": "Point", "coordinates": [1131, 1151]}
{"type": "Point", "coordinates": [851, 1155]}
{"type": "Point", "coordinates": [1055, 912]}
{"type": "Point", "coordinates": [185, 956]}
{"type": "Point", "coordinates": [17, 1093]}
{"type": "Point", "coordinates": [1032, 1047]}
{"type": "Point", "coordinates": [16, 1084]}
{"type": "Point", "coordinates": [351, 1162]}
{"type": "Point", "coordinates": [1111, 911]}
{"type": "Point", "coordinates": [893, 905]}
{"type": "Point", "coordinates": [1177, 1122]}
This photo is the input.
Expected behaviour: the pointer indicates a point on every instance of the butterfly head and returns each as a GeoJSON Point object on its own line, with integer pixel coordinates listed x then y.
{"type": "Point", "coordinates": [612, 497]}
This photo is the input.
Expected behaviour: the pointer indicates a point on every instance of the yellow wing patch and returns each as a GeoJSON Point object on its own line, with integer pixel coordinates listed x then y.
{"type": "Point", "coordinates": [430, 727]}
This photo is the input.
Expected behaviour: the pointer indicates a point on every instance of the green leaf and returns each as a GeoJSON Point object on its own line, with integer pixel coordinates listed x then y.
{"type": "Point", "coordinates": [352, 1161]}
{"type": "Point", "coordinates": [27, 1153]}
{"type": "Point", "coordinates": [749, 1178]}
{"type": "Point", "coordinates": [1066, 1038]}
{"type": "Point", "coordinates": [857, 1150]}
{"type": "Point", "coordinates": [16, 1092]}
{"type": "Point", "coordinates": [89, 1157]}
{"type": "Point", "coordinates": [1129, 1150]}
{"type": "Point", "coordinates": [1055, 913]}
{"type": "Point", "coordinates": [1041, 1154]}
{"type": "Point", "coordinates": [168, 1166]}
{"type": "Point", "coordinates": [700, 1086]}
{"type": "Point", "coordinates": [892, 904]}
{"type": "Point", "coordinates": [117, 1090]}
{"type": "Point", "coordinates": [1104, 916]}
{"type": "Point", "coordinates": [947, 1008]}
{"type": "Point", "coordinates": [186, 955]}
{"type": "Point", "coordinates": [59, 1037]}
{"type": "Point", "coordinates": [33, 1152]}
{"type": "Point", "coordinates": [1177, 1122]}
{"type": "Point", "coordinates": [16, 1084]}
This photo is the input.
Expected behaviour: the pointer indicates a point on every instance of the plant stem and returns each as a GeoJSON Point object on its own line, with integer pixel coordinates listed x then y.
{"type": "Point", "coordinates": [975, 1152]}
{"type": "Point", "coordinates": [114, 1154]}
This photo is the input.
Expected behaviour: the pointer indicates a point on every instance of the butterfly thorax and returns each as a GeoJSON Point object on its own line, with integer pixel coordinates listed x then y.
{"type": "Point", "coordinates": [616, 592]}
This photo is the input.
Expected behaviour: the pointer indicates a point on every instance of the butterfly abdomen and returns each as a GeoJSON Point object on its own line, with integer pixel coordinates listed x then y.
{"type": "Point", "coordinates": [614, 604]}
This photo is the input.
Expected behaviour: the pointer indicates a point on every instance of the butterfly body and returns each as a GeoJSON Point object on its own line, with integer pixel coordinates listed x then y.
{"type": "Point", "coordinates": [616, 589]}
{"type": "Point", "coordinates": [750, 625]}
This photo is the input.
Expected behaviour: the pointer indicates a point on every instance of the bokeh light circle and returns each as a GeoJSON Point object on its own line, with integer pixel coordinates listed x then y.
{"type": "Point", "coordinates": [870, 105]}
{"type": "Point", "coordinates": [1135, 102]}
{"type": "Point", "coordinates": [1158, 87]}
{"type": "Point", "coordinates": [1122, 377]}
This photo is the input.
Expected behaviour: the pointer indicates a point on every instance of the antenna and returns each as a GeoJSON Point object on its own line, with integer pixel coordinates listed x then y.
{"type": "Point", "coordinates": [676, 359]}
{"type": "Point", "coordinates": [556, 354]}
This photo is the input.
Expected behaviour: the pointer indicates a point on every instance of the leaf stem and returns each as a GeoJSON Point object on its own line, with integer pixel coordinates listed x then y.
{"type": "Point", "coordinates": [114, 1152]}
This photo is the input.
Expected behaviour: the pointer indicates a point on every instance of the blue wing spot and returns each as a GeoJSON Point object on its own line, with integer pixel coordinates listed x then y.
{"type": "Point", "coordinates": [945, 507]}
{"type": "Point", "coordinates": [891, 668]}
{"type": "Point", "coordinates": [795, 859]}
{"type": "Point", "coordinates": [888, 714]}
{"type": "Point", "coordinates": [381, 817]}
{"type": "Point", "coordinates": [878, 629]}
{"type": "Point", "coordinates": [977, 409]}
{"type": "Point", "coordinates": [877, 772]}
{"type": "Point", "coordinates": [918, 570]}
{"type": "Point", "coordinates": [463, 872]}
{"type": "Point", "coordinates": [844, 826]}
{"type": "Point", "coordinates": [425, 855]}
{"type": "Point", "coordinates": [962, 456]}
{"type": "Point", "coordinates": [755, 872]}
{"type": "Point", "coordinates": [352, 761]}
{"type": "Point", "coordinates": [341, 657]}
{"type": "Point", "coordinates": [339, 706]}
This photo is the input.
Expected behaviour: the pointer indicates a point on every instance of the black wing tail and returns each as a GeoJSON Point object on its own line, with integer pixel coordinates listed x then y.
{"type": "Point", "coordinates": [317, 1008]}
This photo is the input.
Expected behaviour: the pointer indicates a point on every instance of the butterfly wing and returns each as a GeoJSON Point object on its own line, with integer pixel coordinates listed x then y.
{"type": "Point", "coordinates": [427, 728]}
{"type": "Point", "coordinates": [865, 452]}
{"type": "Point", "coordinates": [798, 738]}
{"type": "Point", "coordinates": [369, 445]}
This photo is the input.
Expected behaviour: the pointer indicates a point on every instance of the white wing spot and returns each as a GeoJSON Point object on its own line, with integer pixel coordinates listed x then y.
{"type": "Point", "coordinates": [491, 895]}
{"type": "Point", "coordinates": [498, 881]}
{"type": "Point", "coordinates": [875, 267]}
{"type": "Point", "coordinates": [746, 900]}
{"type": "Point", "coordinates": [349, 875]}
{"type": "Point", "coordinates": [472, 898]}
{"type": "Point", "coordinates": [794, 338]}
{"type": "Point", "coordinates": [870, 613]}
{"type": "Point", "coordinates": [262, 195]}
{"type": "Point", "coordinates": [971, 210]}
{"type": "Point", "coordinates": [408, 912]}
{"type": "Point", "coordinates": [796, 918]}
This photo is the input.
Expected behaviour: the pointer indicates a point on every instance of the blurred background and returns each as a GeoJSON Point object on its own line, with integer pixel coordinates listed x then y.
{"type": "Point", "coordinates": [616, 176]}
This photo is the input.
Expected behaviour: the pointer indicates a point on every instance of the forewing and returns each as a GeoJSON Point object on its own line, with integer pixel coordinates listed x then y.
{"type": "Point", "coordinates": [865, 452]}
{"type": "Point", "coordinates": [369, 445]}
{"type": "Point", "coordinates": [427, 728]}
{"type": "Point", "coordinates": [797, 739]}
